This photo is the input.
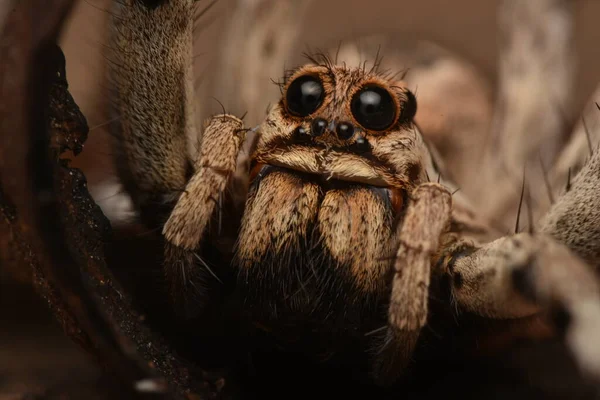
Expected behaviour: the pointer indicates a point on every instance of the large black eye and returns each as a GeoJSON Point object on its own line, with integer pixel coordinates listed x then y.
{"type": "Point", "coordinates": [374, 108]}
{"type": "Point", "coordinates": [304, 95]}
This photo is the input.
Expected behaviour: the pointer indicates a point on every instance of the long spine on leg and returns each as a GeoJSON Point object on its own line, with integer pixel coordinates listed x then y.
{"type": "Point", "coordinates": [150, 69]}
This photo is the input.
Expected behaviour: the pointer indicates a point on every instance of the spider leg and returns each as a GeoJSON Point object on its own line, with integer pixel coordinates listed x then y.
{"type": "Point", "coordinates": [522, 275]}
{"type": "Point", "coordinates": [427, 218]}
{"type": "Point", "coordinates": [575, 217]}
{"type": "Point", "coordinates": [185, 270]}
{"type": "Point", "coordinates": [172, 186]}
{"type": "Point", "coordinates": [150, 74]}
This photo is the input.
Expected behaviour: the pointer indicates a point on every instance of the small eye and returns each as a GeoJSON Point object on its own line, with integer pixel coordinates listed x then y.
{"type": "Point", "coordinates": [304, 95]}
{"type": "Point", "coordinates": [374, 108]}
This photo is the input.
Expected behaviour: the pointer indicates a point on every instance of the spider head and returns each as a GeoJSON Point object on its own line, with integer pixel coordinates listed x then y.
{"type": "Point", "coordinates": [345, 124]}
{"type": "Point", "coordinates": [335, 164]}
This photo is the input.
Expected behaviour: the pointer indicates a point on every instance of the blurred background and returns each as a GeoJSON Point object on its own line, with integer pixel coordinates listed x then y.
{"type": "Point", "coordinates": [452, 54]}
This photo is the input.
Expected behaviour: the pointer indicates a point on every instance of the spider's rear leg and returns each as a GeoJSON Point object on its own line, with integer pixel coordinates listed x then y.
{"type": "Point", "coordinates": [187, 273]}
{"type": "Point", "coordinates": [523, 275]}
{"type": "Point", "coordinates": [427, 218]}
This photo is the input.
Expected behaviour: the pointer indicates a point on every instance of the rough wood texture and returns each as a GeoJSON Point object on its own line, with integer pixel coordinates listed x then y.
{"type": "Point", "coordinates": [55, 223]}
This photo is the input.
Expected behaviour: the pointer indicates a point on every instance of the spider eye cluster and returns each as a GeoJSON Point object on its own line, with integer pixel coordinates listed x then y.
{"type": "Point", "coordinates": [304, 95]}
{"type": "Point", "coordinates": [373, 106]}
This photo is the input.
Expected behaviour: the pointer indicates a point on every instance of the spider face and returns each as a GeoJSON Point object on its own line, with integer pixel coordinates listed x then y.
{"type": "Point", "coordinates": [335, 163]}
{"type": "Point", "coordinates": [343, 124]}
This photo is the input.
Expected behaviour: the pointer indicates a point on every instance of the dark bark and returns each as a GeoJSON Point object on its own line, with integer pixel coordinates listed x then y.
{"type": "Point", "coordinates": [53, 222]}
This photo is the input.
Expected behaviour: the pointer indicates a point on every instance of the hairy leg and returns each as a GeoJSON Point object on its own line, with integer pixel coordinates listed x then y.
{"type": "Point", "coordinates": [523, 275]}
{"type": "Point", "coordinates": [574, 219]}
{"type": "Point", "coordinates": [151, 74]}
{"type": "Point", "coordinates": [186, 271]}
{"type": "Point", "coordinates": [426, 220]}
{"type": "Point", "coordinates": [150, 68]}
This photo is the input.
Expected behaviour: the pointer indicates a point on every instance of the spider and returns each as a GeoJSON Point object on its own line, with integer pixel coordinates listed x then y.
{"type": "Point", "coordinates": [333, 232]}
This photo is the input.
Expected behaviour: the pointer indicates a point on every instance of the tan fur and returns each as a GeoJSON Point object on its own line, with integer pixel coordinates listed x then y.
{"type": "Point", "coordinates": [482, 283]}
{"type": "Point", "coordinates": [151, 70]}
{"type": "Point", "coordinates": [277, 225]}
{"type": "Point", "coordinates": [352, 223]}
{"type": "Point", "coordinates": [398, 152]}
{"type": "Point", "coordinates": [188, 275]}
{"type": "Point", "coordinates": [522, 275]}
{"type": "Point", "coordinates": [426, 220]}
{"type": "Point", "coordinates": [354, 230]}
{"type": "Point", "coordinates": [333, 165]}
{"type": "Point", "coordinates": [575, 218]}
{"type": "Point", "coordinates": [219, 148]}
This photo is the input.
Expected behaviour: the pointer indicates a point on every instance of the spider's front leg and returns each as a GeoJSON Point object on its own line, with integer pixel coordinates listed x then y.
{"type": "Point", "coordinates": [426, 220]}
{"type": "Point", "coordinates": [186, 271]}
{"type": "Point", "coordinates": [151, 73]}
